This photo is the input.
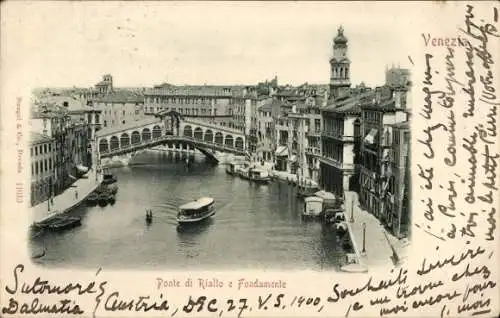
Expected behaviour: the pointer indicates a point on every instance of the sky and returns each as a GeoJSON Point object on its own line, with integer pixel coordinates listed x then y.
{"type": "Point", "coordinates": [63, 44]}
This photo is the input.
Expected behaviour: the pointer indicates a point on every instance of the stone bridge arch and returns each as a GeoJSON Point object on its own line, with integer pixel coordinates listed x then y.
{"type": "Point", "coordinates": [228, 141]}
{"type": "Point", "coordinates": [136, 137]}
{"type": "Point", "coordinates": [209, 136]}
{"type": "Point", "coordinates": [219, 138]}
{"type": "Point", "coordinates": [103, 145]}
{"type": "Point", "coordinates": [146, 134]}
{"type": "Point", "coordinates": [124, 140]}
{"type": "Point", "coordinates": [114, 143]}
{"type": "Point", "coordinates": [198, 133]}
{"type": "Point", "coordinates": [188, 131]}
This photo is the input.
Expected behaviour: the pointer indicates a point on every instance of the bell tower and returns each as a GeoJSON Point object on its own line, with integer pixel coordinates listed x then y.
{"type": "Point", "coordinates": [339, 66]}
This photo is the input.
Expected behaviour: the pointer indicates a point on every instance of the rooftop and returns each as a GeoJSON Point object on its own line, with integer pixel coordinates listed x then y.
{"type": "Point", "coordinates": [350, 104]}
{"type": "Point", "coordinates": [401, 125]}
{"type": "Point", "coordinates": [190, 90]}
{"type": "Point", "coordinates": [129, 125]}
{"type": "Point", "coordinates": [37, 138]}
{"type": "Point", "coordinates": [121, 96]}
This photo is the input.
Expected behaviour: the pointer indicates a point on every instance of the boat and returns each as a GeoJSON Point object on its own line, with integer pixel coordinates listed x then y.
{"type": "Point", "coordinates": [103, 198]}
{"type": "Point", "coordinates": [196, 211]}
{"type": "Point", "coordinates": [258, 175]}
{"type": "Point", "coordinates": [244, 173]}
{"type": "Point", "coordinates": [92, 199]}
{"type": "Point", "coordinates": [232, 168]}
{"type": "Point", "coordinates": [305, 189]}
{"type": "Point", "coordinates": [108, 178]}
{"type": "Point", "coordinates": [339, 222]}
{"type": "Point", "coordinates": [65, 223]}
{"type": "Point", "coordinates": [313, 207]}
{"type": "Point", "coordinates": [111, 198]}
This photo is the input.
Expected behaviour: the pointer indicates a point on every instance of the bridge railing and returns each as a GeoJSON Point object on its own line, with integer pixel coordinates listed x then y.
{"type": "Point", "coordinates": [205, 144]}
{"type": "Point", "coordinates": [214, 126]}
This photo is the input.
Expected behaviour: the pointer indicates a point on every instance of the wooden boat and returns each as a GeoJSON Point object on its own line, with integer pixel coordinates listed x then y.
{"type": "Point", "coordinates": [92, 199]}
{"type": "Point", "coordinates": [259, 175]}
{"type": "Point", "coordinates": [244, 173]}
{"type": "Point", "coordinates": [108, 178]}
{"type": "Point", "coordinates": [65, 223]}
{"type": "Point", "coordinates": [196, 211]}
{"type": "Point", "coordinates": [103, 199]}
{"type": "Point", "coordinates": [305, 189]}
{"type": "Point", "coordinates": [232, 168]}
{"type": "Point", "coordinates": [313, 207]}
{"type": "Point", "coordinates": [111, 198]}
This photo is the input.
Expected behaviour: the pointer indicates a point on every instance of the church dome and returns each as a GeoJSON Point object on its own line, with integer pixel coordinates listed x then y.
{"type": "Point", "coordinates": [340, 38]}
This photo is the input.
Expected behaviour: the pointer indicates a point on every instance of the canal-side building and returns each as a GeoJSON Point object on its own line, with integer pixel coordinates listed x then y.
{"type": "Point", "coordinates": [396, 182]}
{"type": "Point", "coordinates": [377, 118]}
{"type": "Point", "coordinates": [340, 143]}
{"type": "Point", "coordinates": [42, 158]}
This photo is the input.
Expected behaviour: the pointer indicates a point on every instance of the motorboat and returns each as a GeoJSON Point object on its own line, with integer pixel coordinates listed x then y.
{"type": "Point", "coordinates": [65, 223]}
{"type": "Point", "coordinates": [232, 168]}
{"type": "Point", "coordinates": [196, 211]}
{"type": "Point", "coordinates": [259, 175]}
{"type": "Point", "coordinates": [313, 207]}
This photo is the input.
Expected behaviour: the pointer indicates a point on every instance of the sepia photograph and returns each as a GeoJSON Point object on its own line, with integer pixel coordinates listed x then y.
{"type": "Point", "coordinates": [309, 170]}
{"type": "Point", "coordinates": [249, 159]}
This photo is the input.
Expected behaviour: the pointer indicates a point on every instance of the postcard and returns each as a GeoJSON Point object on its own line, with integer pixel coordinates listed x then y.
{"type": "Point", "coordinates": [249, 159]}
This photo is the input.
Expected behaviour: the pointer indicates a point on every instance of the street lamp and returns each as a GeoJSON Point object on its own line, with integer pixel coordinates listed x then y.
{"type": "Point", "coordinates": [352, 211]}
{"type": "Point", "coordinates": [364, 239]}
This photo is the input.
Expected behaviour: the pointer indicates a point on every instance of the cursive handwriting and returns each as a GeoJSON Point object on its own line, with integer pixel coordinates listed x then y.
{"type": "Point", "coordinates": [427, 268]}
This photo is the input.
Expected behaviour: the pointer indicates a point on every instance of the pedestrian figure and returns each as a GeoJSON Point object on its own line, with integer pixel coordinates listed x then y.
{"type": "Point", "coordinates": [76, 194]}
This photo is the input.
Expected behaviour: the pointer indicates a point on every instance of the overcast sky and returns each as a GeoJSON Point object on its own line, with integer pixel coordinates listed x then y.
{"type": "Point", "coordinates": [214, 43]}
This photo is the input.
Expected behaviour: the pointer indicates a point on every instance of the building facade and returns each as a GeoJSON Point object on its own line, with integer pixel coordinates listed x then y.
{"type": "Point", "coordinates": [377, 122]}
{"type": "Point", "coordinates": [43, 159]}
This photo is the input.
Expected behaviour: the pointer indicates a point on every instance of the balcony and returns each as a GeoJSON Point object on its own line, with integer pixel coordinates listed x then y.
{"type": "Point", "coordinates": [337, 136]}
{"type": "Point", "coordinates": [337, 164]}
{"type": "Point", "coordinates": [313, 133]}
{"type": "Point", "coordinates": [313, 151]}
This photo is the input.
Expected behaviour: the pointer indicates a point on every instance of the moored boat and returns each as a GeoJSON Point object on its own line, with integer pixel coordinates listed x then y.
{"type": "Point", "coordinates": [111, 198]}
{"type": "Point", "coordinates": [305, 189]}
{"type": "Point", "coordinates": [258, 175]}
{"type": "Point", "coordinates": [65, 223]}
{"type": "Point", "coordinates": [103, 199]}
{"type": "Point", "coordinates": [92, 199]}
{"type": "Point", "coordinates": [108, 178]}
{"type": "Point", "coordinates": [196, 211]}
{"type": "Point", "coordinates": [232, 168]}
{"type": "Point", "coordinates": [244, 173]}
{"type": "Point", "coordinates": [313, 207]}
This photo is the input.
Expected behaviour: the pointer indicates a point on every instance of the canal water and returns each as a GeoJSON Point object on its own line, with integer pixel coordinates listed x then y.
{"type": "Point", "coordinates": [255, 226]}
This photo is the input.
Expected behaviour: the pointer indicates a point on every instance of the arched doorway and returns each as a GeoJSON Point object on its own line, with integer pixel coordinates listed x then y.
{"type": "Point", "coordinates": [219, 139]}
{"type": "Point", "coordinates": [103, 145]}
{"type": "Point", "coordinates": [228, 141]}
{"type": "Point", "coordinates": [136, 138]}
{"type": "Point", "coordinates": [156, 132]}
{"type": "Point", "coordinates": [209, 136]}
{"type": "Point", "coordinates": [114, 143]}
{"type": "Point", "coordinates": [188, 132]}
{"type": "Point", "coordinates": [198, 133]}
{"type": "Point", "coordinates": [239, 143]}
{"type": "Point", "coordinates": [146, 134]}
{"type": "Point", "coordinates": [124, 141]}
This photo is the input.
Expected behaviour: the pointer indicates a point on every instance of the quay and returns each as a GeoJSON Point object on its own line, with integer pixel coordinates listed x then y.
{"type": "Point", "coordinates": [374, 246]}
{"type": "Point", "coordinates": [69, 198]}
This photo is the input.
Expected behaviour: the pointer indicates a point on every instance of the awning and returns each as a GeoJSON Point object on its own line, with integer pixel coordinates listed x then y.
{"type": "Point", "coordinates": [370, 138]}
{"type": "Point", "coordinates": [282, 151]}
{"type": "Point", "coordinates": [293, 158]}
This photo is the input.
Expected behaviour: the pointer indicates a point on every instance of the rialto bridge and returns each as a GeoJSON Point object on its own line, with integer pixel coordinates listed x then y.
{"type": "Point", "coordinates": [170, 128]}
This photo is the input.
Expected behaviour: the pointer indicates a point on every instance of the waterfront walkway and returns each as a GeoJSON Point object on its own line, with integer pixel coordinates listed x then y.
{"type": "Point", "coordinates": [70, 198]}
{"type": "Point", "coordinates": [379, 244]}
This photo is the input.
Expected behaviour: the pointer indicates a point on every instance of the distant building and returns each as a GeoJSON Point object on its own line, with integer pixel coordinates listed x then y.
{"type": "Point", "coordinates": [397, 77]}
{"type": "Point", "coordinates": [189, 100]}
{"type": "Point", "coordinates": [119, 108]}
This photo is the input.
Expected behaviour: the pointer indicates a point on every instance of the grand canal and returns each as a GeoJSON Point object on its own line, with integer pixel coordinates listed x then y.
{"type": "Point", "coordinates": [255, 227]}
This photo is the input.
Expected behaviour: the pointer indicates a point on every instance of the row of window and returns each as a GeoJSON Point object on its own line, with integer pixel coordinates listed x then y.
{"type": "Point", "coordinates": [41, 166]}
{"type": "Point", "coordinates": [41, 149]}
{"type": "Point", "coordinates": [179, 100]}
